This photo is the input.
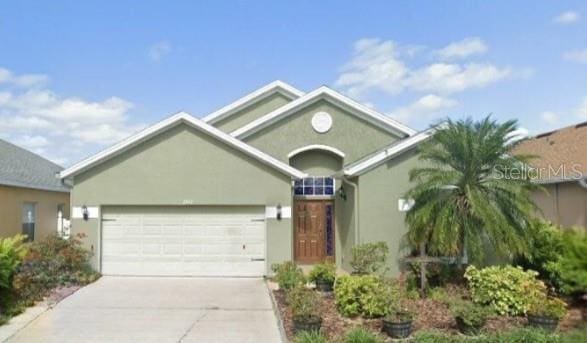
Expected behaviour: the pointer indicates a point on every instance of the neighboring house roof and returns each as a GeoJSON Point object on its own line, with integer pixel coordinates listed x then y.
{"type": "Point", "coordinates": [252, 98]}
{"type": "Point", "coordinates": [181, 117]}
{"type": "Point", "coordinates": [324, 92]}
{"type": "Point", "coordinates": [22, 168]}
{"type": "Point", "coordinates": [387, 153]}
{"type": "Point", "coordinates": [566, 147]}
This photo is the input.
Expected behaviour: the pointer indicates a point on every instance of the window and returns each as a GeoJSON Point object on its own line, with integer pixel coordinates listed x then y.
{"type": "Point", "coordinates": [28, 220]}
{"type": "Point", "coordinates": [314, 186]}
{"type": "Point", "coordinates": [329, 231]}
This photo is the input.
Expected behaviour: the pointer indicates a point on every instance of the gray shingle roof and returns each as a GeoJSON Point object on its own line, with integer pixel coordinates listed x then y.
{"type": "Point", "coordinates": [22, 168]}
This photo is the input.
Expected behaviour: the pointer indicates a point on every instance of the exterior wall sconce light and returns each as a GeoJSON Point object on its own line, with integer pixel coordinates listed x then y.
{"type": "Point", "coordinates": [85, 212]}
{"type": "Point", "coordinates": [342, 193]}
{"type": "Point", "coordinates": [279, 211]}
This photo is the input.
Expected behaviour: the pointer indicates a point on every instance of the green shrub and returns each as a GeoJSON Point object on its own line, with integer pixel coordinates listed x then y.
{"type": "Point", "coordinates": [324, 271]}
{"type": "Point", "coordinates": [12, 251]}
{"type": "Point", "coordinates": [505, 289]}
{"type": "Point", "coordinates": [543, 305]}
{"type": "Point", "coordinates": [525, 335]}
{"type": "Point", "coordinates": [360, 335]}
{"type": "Point", "coordinates": [440, 294]}
{"type": "Point", "coordinates": [521, 335]}
{"type": "Point", "coordinates": [571, 266]}
{"type": "Point", "coordinates": [49, 263]}
{"type": "Point", "coordinates": [288, 275]}
{"type": "Point", "coordinates": [365, 295]}
{"type": "Point", "coordinates": [471, 314]}
{"type": "Point", "coordinates": [310, 337]}
{"type": "Point", "coordinates": [369, 258]}
{"type": "Point", "coordinates": [545, 246]}
{"type": "Point", "coordinates": [575, 336]}
{"type": "Point", "coordinates": [303, 302]}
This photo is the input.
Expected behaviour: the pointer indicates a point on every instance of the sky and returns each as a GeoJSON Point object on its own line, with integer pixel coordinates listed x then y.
{"type": "Point", "coordinates": [78, 76]}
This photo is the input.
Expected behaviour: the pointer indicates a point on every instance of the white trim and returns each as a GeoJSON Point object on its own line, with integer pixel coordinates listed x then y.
{"type": "Point", "coordinates": [352, 106]}
{"type": "Point", "coordinates": [253, 97]}
{"type": "Point", "coordinates": [316, 147]}
{"type": "Point", "coordinates": [168, 123]}
{"type": "Point", "coordinates": [388, 153]}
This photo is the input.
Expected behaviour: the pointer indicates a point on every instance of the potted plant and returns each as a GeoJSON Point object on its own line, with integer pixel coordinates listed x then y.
{"type": "Point", "coordinates": [398, 324]}
{"type": "Point", "coordinates": [304, 305]}
{"type": "Point", "coordinates": [470, 317]}
{"type": "Point", "coordinates": [545, 312]}
{"type": "Point", "coordinates": [323, 275]}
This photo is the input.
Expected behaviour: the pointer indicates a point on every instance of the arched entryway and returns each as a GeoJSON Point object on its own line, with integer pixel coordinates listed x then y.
{"type": "Point", "coordinates": [314, 202]}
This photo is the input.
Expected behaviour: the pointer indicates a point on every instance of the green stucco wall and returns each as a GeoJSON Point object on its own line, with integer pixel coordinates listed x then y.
{"type": "Point", "coordinates": [252, 112]}
{"type": "Point", "coordinates": [183, 166]}
{"type": "Point", "coordinates": [317, 162]}
{"type": "Point", "coordinates": [350, 134]}
{"type": "Point", "coordinates": [379, 191]}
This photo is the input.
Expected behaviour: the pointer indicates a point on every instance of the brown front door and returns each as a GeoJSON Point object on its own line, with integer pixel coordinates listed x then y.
{"type": "Point", "coordinates": [310, 231]}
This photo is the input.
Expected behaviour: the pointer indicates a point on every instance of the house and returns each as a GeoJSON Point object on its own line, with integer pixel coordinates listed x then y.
{"type": "Point", "coordinates": [277, 175]}
{"type": "Point", "coordinates": [31, 195]}
{"type": "Point", "coordinates": [560, 166]}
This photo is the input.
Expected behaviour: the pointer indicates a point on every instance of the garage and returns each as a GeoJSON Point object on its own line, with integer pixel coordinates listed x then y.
{"type": "Point", "coordinates": [183, 241]}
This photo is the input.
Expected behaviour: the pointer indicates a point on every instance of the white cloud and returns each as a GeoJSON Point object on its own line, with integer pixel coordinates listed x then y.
{"type": "Point", "coordinates": [378, 65]}
{"type": "Point", "coordinates": [518, 134]}
{"type": "Point", "coordinates": [579, 56]}
{"type": "Point", "coordinates": [452, 78]}
{"type": "Point", "coordinates": [375, 65]}
{"type": "Point", "coordinates": [24, 80]}
{"type": "Point", "coordinates": [582, 109]}
{"type": "Point", "coordinates": [427, 107]}
{"type": "Point", "coordinates": [568, 17]}
{"type": "Point", "coordinates": [159, 50]}
{"type": "Point", "coordinates": [550, 117]}
{"type": "Point", "coordinates": [67, 128]}
{"type": "Point", "coordinates": [463, 49]}
{"type": "Point", "coordinates": [31, 142]}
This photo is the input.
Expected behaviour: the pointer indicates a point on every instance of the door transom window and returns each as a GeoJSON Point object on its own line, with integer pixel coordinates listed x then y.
{"type": "Point", "coordinates": [315, 186]}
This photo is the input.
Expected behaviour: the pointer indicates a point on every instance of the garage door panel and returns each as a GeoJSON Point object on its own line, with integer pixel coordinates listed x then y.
{"type": "Point", "coordinates": [183, 241]}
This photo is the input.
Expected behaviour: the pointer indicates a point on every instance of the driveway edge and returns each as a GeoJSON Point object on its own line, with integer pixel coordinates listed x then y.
{"type": "Point", "coordinates": [19, 322]}
{"type": "Point", "coordinates": [280, 326]}
{"type": "Point", "coordinates": [29, 315]}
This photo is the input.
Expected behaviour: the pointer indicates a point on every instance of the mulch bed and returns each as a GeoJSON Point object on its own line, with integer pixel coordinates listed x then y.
{"type": "Point", "coordinates": [431, 314]}
{"type": "Point", "coordinates": [57, 294]}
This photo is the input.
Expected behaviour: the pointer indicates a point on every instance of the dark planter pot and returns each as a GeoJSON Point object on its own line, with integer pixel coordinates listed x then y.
{"type": "Point", "coordinates": [469, 330]}
{"type": "Point", "coordinates": [324, 286]}
{"type": "Point", "coordinates": [307, 324]}
{"type": "Point", "coordinates": [546, 323]}
{"type": "Point", "coordinates": [397, 329]}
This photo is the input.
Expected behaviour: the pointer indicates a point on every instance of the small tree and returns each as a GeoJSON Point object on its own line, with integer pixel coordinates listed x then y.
{"type": "Point", "coordinates": [468, 194]}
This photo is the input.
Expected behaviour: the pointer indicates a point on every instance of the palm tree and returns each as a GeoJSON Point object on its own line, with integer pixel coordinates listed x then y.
{"type": "Point", "coordinates": [471, 192]}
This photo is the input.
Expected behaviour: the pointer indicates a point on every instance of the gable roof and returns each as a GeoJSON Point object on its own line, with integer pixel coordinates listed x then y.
{"type": "Point", "coordinates": [181, 117]}
{"type": "Point", "coordinates": [22, 168]}
{"type": "Point", "coordinates": [387, 153]}
{"type": "Point", "coordinates": [564, 147]}
{"type": "Point", "coordinates": [252, 98]}
{"type": "Point", "coordinates": [324, 92]}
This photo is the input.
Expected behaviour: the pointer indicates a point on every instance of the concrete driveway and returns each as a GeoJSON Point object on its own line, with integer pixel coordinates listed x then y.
{"type": "Point", "coordinates": [141, 309]}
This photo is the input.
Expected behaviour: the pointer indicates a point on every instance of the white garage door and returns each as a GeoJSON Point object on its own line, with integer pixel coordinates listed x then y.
{"type": "Point", "coordinates": [183, 241]}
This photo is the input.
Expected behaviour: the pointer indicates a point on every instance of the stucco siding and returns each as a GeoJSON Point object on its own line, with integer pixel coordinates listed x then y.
{"type": "Point", "coordinates": [252, 112]}
{"type": "Point", "coordinates": [350, 134]}
{"type": "Point", "coordinates": [317, 162]}
{"type": "Point", "coordinates": [563, 204]}
{"type": "Point", "coordinates": [183, 166]}
{"type": "Point", "coordinates": [345, 229]}
{"type": "Point", "coordinates": [379, 192]}
{"type": "Point", "coordinates": [11, 207]}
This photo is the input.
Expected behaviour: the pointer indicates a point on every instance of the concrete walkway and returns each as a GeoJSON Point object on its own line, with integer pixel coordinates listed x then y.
{"type": "Point", "coordinates": [140, 309]}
